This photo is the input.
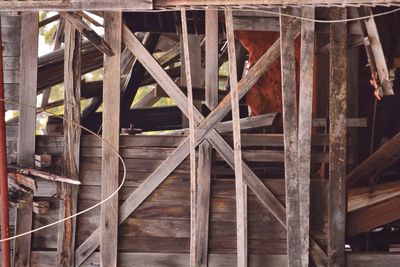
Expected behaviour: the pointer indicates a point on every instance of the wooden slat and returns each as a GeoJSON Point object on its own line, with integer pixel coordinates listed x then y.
{"type": "Point", "coordinates": [381, 159]}
{"type": "Point", "coordinates": [46, 259]}
{"type": "Point", "coordinates": [110, 161]}
{"type": "Point", "coordinates": [88, 32]}
{"type": "Point", "coordinates": [372, 259]}
{"type": "Point", "coordinates": [337, 135]}
{"type": "Point", "coordinates": [192, 122]}
{"type": "Point", "coordinates": [364, 197]}
{"type": "Point", "coordinates": [203, 204]}
{"type": "Point", "coordinates": [51, 5]}
{"type": "Point", "coordinates": [377, 51]}
{"type": "Point", "coordinates": [290, 127]}
{"type": "Point", "coordinates": [241, 189]}
{"type": "Point", "coordinates": [72, 114]}
{"type": "Point", "coordinates": [273, 3]}
{"type": "Point", "coordinates": [27, 128]}
{"type": "Point", "coordinates": [211, 57]}
{"type": "Point", "coordinates": [304, 131]}
{"type": "Point", "coordinates": [366, 219]}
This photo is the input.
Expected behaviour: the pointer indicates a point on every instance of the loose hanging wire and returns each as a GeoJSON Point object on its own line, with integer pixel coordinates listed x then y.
{"type": "Point", "coordinates": [85, 210]}
{"type": "Point", "coordinates": [285, 15]}
{"type": "Point", "coordinates": [116, 151]}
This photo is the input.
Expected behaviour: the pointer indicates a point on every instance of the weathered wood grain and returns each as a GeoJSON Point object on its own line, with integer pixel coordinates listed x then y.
{"type": "Point", "coordinates": [192, 125]}
{"type": "Point", "coordinates": [203, 204]}
{"type": "Point", "coordinates": [337, 136]}
{"type": "Point", "coordinates": [72, 114]}
{"type": "Point", "coordinates": [304, 130]}
{"type": "Point", "coordinates": [241, 189]}
{"type": "Point", "coordinates": [110, 161]}
{"type": "Point", "coordinates": [211, 58]}
{"type": "Point", "coordinates": [27, 128]}
{"type": "Point", "coordinates": [290, 128]}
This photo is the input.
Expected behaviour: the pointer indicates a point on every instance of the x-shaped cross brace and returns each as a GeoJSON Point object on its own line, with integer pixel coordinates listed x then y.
{"type": "Point", "coordinates": [204, 130]}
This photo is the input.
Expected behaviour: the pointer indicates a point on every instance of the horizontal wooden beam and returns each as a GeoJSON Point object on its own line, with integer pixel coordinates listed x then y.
{"type": "Point", "coordinates": [72, 5]}
{"type": "Point", "coordinates": [174, 3]}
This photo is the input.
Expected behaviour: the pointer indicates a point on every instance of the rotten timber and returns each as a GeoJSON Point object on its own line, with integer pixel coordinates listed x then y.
{"type": "Point", "coordinates": [337, 136]}
{"type": "Point", "coordinates": [72, 114]}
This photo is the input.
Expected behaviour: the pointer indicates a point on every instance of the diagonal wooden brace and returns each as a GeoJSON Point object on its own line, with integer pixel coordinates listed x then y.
{"type": "Point", "coordinates": [204, 130]}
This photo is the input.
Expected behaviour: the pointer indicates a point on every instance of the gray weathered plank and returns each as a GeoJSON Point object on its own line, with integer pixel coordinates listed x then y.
{"type": "Point", "coordinates": [27, 128]}
{"type": "Point", "coordinates": [203, 204]}
{"type": "Point", "coordinates": [110, 161]}
{"type": "Point", "coordinates": [337, 138]}
{"type": "Point", "coordinates": [211, 58]}
{"type": "Point", "coordinates": [52, 5]}
{"type": "Point", "coordinates": [241, 189]}
{"type": "Point", "coordinates": [191, 108]}
{"type": "Point", "coordinates": [290, 127]}
{"type": "Point", "coordinates": [72, 114]}
{"type": "Point", "coordinates": [304, 131]}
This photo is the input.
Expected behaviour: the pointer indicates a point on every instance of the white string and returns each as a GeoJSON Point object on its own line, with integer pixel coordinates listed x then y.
{"type": "Point", "coordinates": [85, 210]}
{"type": "Point", "coordinates": [285, 15]}
{"type": "Point", "coordinates": [116, 151]}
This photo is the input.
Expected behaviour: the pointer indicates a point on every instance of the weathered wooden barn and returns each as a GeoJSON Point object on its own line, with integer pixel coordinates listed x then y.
{"type": "Point", "coordinates": [280, 147]}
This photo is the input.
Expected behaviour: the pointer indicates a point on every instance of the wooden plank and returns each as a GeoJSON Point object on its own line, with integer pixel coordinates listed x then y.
{"type": "Point", "coordinates": [192, 122]}
{"type": "Point", "coordinates": [381, 159]}
{"type": "Point", "coordinates": [110, 161]}
{"type": "Point", "coordinates": [211, 57]}
{"type": "Point", "coordinates": [72, 114]}
{"type": "Point", "coordinates": [377, 51]}
{"type": "Point", "coordinates": [246, 23]}
{"type": "Point", "coordinates": [372, 259]}
{"type": "Point", "coordinates": [304, 131]}
{"type": "Point", "coordinates": [368, 218]}
{"type": "Point", "coordinates": [337, 135]}
{"type": "Point", "coordinates": [290, 127]}
{"type": "Point", "coordinates": [88, 32]}
{"type": "Point", "coordinates": [46, 259]}
{"type": "Point", "coordinates": [203, 204]}
{"type": "Point", "coordinates": [241, 189]}
{"type": "Point", "coordinates": [92, 5]}
{"type": "Point", "coordinates": [27, 128]}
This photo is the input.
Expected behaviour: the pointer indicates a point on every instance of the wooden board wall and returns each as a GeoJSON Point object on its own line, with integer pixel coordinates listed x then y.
{"type": "Point", "coordinates": [160, 227]}
{"type": "Point", "coordinates": [11, 35]}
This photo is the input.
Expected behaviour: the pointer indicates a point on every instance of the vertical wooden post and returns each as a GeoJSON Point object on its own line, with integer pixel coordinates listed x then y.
{"type": "Point", "coordinates": [211, 59]}
{"type": "Point", "coordinates": [203, 204]}
{"type": "Point", "coordinates": [197, 72]}
{"type": "Point", "coordinates": [193, 176]}
{"type": "Point", "coordinates": [26, 129]}
{"type": "Point", "coordinates": [240, 186]}
{"type": "Point", "coordinates": [109, 176]}
{"type": "Point", "coordinates": [289, 100]}
{"type": "Point", "coordinates": [72, 113]}
{"type": "Point", "coordinates": [205, 149]}
{"type": "Point", "coordinates": [304, 134]}
{"type": "Point", "coordinates": [337, 138]}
